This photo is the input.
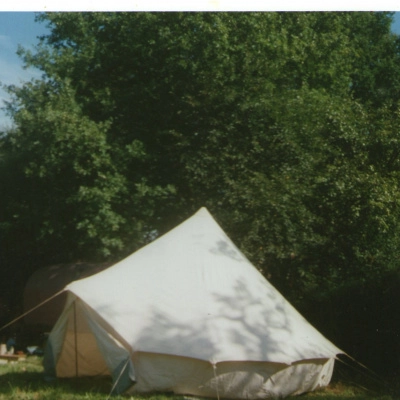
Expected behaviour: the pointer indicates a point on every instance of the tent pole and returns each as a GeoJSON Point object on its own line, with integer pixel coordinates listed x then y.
{"type": "Point", "coordinates": [76, 342]}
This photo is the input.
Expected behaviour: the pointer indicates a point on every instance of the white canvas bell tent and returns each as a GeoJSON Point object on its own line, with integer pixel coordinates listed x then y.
{"type": "Point", "coordinates": [188, 313]}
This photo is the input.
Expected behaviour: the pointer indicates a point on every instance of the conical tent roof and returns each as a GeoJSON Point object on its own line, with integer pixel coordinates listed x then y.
{"type": "Point", "coordinates": [192, 293]}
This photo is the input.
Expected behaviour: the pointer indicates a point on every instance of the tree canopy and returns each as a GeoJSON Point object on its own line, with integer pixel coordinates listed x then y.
{"type": "Point", "coordinates": [285, 125]}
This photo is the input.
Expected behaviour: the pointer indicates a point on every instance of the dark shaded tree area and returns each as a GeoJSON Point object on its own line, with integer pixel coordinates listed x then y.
{"type": "Point", "coordinates": [285, 125]}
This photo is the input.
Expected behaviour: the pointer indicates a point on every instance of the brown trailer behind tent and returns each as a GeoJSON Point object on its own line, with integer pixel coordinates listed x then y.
{"type": "Point", "coordinates": [46, 282]}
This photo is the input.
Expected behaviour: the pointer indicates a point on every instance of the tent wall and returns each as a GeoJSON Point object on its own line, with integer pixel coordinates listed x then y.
{"type": "Point", "coordinates": [81, 345]}
{"type": "Point", "coordinates": [230, 380]}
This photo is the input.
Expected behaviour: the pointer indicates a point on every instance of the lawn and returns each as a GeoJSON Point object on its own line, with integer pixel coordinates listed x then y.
{"type": "Point", "coordinates": [24, 381]}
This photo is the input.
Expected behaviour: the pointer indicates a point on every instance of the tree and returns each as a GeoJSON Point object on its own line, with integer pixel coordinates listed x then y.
{"type": "Point", "coordinates": [280, 123]}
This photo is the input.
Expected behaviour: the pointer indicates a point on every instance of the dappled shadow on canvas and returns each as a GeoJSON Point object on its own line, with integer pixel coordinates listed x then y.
{"type": "Point", "coordinates": [220, 313]}
{"type": "Point", "coordinates": [224, 248]}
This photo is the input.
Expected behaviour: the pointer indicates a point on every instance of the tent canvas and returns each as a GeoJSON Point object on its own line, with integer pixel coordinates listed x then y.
{"type": "Point", "coordinates": [188, 313]}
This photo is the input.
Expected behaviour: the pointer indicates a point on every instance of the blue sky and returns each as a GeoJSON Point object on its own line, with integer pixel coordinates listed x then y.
{"type": "Point", "coordinates": [20, 28]}
{"type": "Point", "coordinates": [16, 28]}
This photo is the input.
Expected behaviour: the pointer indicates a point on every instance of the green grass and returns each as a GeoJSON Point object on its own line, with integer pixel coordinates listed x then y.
{"type": "Point", "coordinates": [346, 392]}
{"type": "Point", "coordinates": [24, 381]}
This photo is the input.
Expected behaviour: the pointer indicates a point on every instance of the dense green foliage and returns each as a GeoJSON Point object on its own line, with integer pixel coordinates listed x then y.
{"type": "Point", "coordinates": [285, 125]}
